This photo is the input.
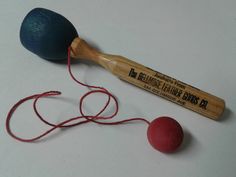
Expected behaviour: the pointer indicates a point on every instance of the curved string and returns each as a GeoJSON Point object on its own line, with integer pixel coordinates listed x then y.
{"type": "Point", "coordinates": [70, 121]}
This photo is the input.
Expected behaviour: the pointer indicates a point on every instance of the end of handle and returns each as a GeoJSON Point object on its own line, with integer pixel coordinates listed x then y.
{"type": "Point", "coordinates": [80, 49]}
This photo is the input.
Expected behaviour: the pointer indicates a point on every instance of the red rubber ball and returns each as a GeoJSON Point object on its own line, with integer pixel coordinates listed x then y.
{"type": "Point", "coordinates": [165, 134]}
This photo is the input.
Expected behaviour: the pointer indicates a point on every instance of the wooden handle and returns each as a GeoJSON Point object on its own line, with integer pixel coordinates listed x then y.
{"type": "Point", "coordinates": [153, 81]}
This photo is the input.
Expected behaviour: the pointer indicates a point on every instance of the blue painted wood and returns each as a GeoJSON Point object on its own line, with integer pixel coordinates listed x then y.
{"type": "Point", "coordinates": [47, 34]}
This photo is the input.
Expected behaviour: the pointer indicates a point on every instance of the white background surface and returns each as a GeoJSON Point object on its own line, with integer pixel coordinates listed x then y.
{"type": "Point", "coordinates": [193, 41]}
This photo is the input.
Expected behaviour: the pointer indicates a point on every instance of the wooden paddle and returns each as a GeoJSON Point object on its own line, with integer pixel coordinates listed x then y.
{"type": "Point", "coordinates": [153, 81]}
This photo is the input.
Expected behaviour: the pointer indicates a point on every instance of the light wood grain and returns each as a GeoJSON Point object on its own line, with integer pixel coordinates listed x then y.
{"type": "Point", "coordinates": [153, 81]}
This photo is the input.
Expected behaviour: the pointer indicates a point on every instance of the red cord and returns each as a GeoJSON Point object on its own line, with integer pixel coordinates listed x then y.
{"type": "Point", "coordinates": [69, 122]}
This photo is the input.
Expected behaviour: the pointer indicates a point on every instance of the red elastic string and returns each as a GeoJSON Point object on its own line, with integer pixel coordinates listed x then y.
{"type": "Point", "coordinates": [70, 122]}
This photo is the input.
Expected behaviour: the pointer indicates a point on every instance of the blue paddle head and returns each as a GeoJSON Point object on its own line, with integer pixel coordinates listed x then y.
{"type": "Point", "coordinates": [47, 34]}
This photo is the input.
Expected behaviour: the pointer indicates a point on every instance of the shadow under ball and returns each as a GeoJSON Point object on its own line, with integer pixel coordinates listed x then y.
{"type": "Point", "coordinates": [47, 34]}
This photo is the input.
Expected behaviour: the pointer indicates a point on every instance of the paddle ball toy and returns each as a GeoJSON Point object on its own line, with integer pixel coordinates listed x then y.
{"type": "Point", "coordinates": [52, 37]}
{"type": "Point", "coordinates": [49, 34]}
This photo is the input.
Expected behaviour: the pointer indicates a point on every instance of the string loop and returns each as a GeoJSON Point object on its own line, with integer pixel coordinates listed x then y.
{"type": "Point", "coordinates": [69, 122]}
